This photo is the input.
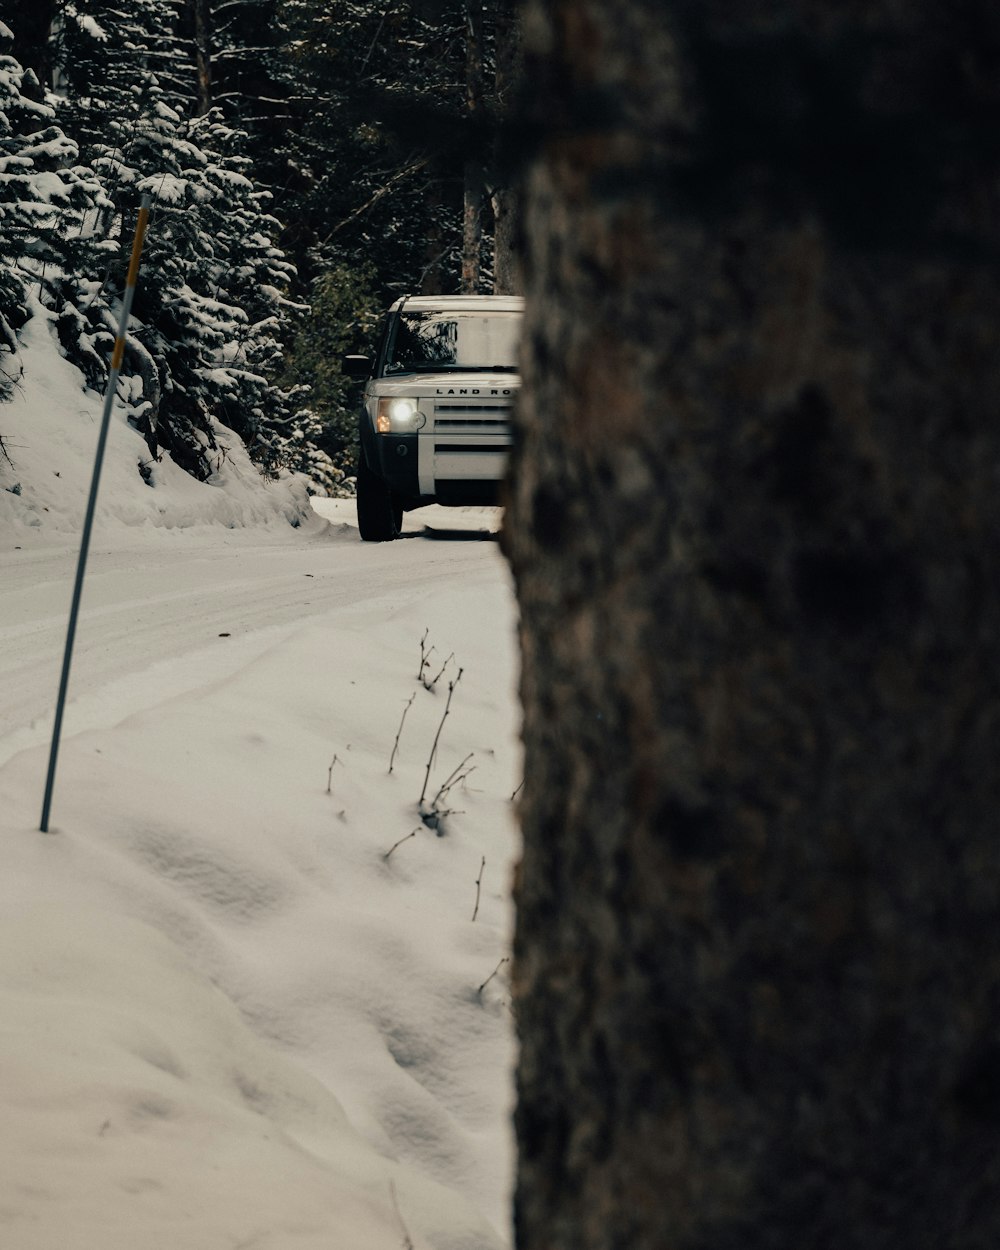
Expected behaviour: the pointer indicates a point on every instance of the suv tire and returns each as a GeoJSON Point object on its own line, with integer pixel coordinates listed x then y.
{"type": "Point", "coordinates": [379, 517]}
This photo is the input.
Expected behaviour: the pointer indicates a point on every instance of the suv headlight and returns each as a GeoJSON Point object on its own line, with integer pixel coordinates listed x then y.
{"type": "Point", "coordinates": [398, 416]}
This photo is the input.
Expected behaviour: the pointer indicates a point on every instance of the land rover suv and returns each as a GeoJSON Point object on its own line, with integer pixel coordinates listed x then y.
{"type": "Point", "coordinates": [435, 421]}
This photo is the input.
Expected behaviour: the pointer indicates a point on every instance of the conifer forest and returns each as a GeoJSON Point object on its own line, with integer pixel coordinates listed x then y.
{"type": "Point", "coordinates": [308, 161]}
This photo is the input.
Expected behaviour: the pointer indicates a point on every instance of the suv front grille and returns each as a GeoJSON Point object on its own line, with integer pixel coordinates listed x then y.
{"type": "Point", "coordinates": [464, 445]}
{"type": "Point", "coordinates": [465, 418]}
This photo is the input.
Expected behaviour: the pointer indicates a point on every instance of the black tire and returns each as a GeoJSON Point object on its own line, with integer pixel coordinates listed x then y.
{"type": "Point", "coordinates": [376, 510]}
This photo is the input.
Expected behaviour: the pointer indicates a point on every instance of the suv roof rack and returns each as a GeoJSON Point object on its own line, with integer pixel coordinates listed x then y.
{"type": "Point", "coordinates": [512, 303]}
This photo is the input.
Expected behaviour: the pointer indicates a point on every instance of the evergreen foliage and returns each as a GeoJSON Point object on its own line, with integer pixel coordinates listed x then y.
{"type": "Point", "coordinates": [210, 310]}
{"type": "Point", "coordinates": [343, 318]}
{"type": "Point", "coordinates": [295, 149]}
{"type": "Point", "coordinates": [248, 84]}
{"type": "Point", "coordinates": [50, 206]}
{"type": "Point", "coordinates": [107, 57]}
{"type": "Point", "coordinates": [384, 134]}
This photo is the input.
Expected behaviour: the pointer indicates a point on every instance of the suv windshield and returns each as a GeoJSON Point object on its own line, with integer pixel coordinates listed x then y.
{"type": "Point", "coordinates": [453, 340]}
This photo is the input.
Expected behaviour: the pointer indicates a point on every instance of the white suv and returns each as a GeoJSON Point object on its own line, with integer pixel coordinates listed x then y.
{"type": "Point", "coordinates": [435, 426]}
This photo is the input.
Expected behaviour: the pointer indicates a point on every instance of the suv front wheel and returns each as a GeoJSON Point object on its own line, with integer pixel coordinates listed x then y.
{"type": "Point", "coordinates": [379, 514]}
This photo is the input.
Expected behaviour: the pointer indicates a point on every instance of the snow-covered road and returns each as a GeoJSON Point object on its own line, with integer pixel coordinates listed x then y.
{"type": "Point", "coordinates": [162, 616]}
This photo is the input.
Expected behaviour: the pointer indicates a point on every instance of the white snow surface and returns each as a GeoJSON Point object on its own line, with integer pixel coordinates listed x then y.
{"type": "Point", "coordinates": [226, 1018]}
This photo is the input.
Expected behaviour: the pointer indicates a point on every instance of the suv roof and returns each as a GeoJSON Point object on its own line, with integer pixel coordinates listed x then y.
{"type": "Point", "coordinates": [499, 303]}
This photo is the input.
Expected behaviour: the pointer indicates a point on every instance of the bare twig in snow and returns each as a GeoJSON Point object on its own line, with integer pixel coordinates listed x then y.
{"type": "Point", "coordinates": [452, 780]}
{"type": "Point", "coordinates": [479, 882]}
{"type": "Point", "coordinates": [392, 757]}
{"type": "Point", "coordinates": [505, 960]}
{"type": "Point", "coordinates": [329, 774]}
{"type": "Point", "coordinates": [412, 834]}
{"type": "Point", "coordinates": [425, 657]}
{"type": "Point", "coordinates": [429, 685]}
{"type": "Point", "coordinates": [517, 791]}
{"type": "Point", "coordinates": [437, 736]}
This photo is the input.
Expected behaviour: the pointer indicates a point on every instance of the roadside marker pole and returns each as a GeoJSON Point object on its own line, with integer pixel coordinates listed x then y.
{"type": "Point", "coordinates": [81, 567]}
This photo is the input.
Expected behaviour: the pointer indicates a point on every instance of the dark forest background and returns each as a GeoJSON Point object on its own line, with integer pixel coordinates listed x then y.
{"type": "Point", "coordinates": [309, 162]}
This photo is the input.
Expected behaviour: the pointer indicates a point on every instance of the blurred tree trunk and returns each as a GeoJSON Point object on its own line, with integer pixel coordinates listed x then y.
{"type": "Point", "coordinates": [754, 522]}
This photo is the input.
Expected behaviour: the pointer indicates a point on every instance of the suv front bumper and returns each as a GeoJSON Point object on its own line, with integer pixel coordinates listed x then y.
{"type": "Point", "coordinates": [426, 468]}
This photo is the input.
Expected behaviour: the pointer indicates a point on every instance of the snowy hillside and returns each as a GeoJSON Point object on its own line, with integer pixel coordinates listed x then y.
{"type": "Point", "coordinates": [49, 434]}
{"type": "Point", "coordinates": [230, 1016]}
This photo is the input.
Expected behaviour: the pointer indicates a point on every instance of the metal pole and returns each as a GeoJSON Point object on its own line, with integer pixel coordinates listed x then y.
{"type": "Point", "coordinates": [81, 567]}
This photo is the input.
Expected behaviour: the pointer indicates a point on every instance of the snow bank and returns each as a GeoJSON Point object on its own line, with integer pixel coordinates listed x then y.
{"type": "Point", "coordinates": [139, 1109]}
{"type": "Point", "coordinates": [50, 429]}
{"type": "Point", "coordinates": [226, 1014]}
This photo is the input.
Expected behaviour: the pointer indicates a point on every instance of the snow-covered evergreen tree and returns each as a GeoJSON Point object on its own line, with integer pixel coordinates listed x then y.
{"type": "Point", "coordinates": [51, 208]}
{"type": "Point", "coordinates": [107, 55]}
{"type": "Point", "coordinates": [211, 310]}
{"type": "Point", "coordinates": [117, 114]}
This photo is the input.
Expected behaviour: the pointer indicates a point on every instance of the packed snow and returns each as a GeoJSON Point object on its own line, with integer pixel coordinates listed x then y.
{"type": "Point", "coordinates": [252, 993]}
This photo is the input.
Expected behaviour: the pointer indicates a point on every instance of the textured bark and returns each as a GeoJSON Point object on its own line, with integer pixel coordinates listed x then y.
{"type": "Point", "coordinates": [506, 234]}
{"type": "Point", "coordinates": [472, 227]}
{"type": "Point", "coordinates": [754, 527]}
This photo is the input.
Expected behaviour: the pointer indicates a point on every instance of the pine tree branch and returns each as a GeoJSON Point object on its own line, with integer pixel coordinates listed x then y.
{"type": "Point", "coordinates": [379, 194]}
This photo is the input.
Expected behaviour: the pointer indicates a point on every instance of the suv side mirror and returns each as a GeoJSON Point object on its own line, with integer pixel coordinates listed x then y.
{"type": "Point", "coordinates": [357, 367]}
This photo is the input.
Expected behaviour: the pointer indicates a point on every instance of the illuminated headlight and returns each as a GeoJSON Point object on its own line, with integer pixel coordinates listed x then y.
{"type": "Point", "coordinates": [398, 416]}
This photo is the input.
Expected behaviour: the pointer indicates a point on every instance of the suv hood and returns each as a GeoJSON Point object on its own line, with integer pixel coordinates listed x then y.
{"type": "Point", "coordinates": [453, 382]}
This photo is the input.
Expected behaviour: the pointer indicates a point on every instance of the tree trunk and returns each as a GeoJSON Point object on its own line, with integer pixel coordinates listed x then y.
{"type": "Point", "coordinates": [504, 198]}
{"type": "Point", "coordinates": [506, 274]}
{"type": "Point", "coordinates": [472, 227]}
{"type": "Point", "coordinates": [754, 524]}
{"type": "Point", "coordinates": [474, 184]}
{"type": "Point", "coordinates": [201, 12]}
